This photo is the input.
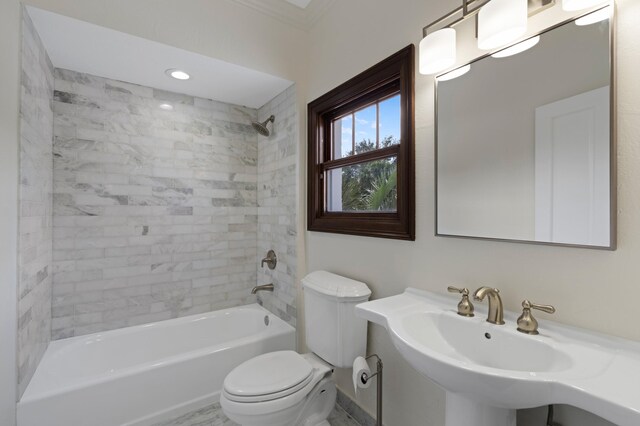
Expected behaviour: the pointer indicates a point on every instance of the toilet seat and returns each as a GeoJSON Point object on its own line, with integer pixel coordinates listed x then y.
{"type": "Point", "coordinates": [268, 377]}
{"type": "Point", "coordinates": [279, 401]}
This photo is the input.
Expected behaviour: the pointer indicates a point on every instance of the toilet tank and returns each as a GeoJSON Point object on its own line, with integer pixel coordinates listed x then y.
{"type": "Point", "coordinates": [333, 332]}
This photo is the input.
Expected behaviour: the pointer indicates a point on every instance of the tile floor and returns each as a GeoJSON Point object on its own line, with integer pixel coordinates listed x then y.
{"type": "Point", "coordinates": [212, 415]}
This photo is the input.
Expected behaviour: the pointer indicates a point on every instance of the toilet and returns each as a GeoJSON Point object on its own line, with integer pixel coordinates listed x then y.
{"type": "Point", "coordinates": [286, 388]}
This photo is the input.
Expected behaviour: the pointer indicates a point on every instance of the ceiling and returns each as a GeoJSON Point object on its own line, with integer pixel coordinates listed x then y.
{"type": "Point", "coordinates": [100, 51]}
{"type": "Point", "coordinates": [302, 14]}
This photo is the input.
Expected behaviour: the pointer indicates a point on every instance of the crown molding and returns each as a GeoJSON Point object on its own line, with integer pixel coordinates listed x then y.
{"type": "Point", "coordinates": [287, 13]}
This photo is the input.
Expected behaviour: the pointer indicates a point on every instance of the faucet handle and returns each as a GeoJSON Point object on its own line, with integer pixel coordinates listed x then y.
{"type": "Point", "coordinates": [526, 322]}
{"type": "Point", "coordinates": [544, 308]}
{"type": "Point", "coordinates": [271, 260]}
{"type": "Point", "coordinates": [463, 291]}
{"type": "Point", "coordinates": [465, 307]}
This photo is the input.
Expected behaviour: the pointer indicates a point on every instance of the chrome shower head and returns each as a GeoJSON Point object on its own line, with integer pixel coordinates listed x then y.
{"type": "Point", "coordinates": [262, 127]}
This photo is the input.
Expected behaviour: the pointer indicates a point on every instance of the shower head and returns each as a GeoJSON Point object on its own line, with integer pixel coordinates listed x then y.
{"type": "Point", "coordinates": [262, 127]}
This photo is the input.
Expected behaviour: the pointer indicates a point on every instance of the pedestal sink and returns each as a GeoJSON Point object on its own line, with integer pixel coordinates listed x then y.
{"type": "Point", "coordinates": [489, 371]}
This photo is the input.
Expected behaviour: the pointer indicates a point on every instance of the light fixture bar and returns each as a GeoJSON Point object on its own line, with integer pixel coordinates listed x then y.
{"type": "Point", "coordinates": [470, 8]}
{"type": "Point", "coordinates": [463, 10]}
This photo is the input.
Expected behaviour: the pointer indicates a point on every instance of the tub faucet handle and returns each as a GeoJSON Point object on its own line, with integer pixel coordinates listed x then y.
{"type": "Point", "coordinates": [465, 307]}
{"type": "Point", "coordinates": [271, 260]}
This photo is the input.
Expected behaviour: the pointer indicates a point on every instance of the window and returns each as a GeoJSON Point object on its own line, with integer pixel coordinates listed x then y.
{"type": "Point", "coordinates": [361, 165]}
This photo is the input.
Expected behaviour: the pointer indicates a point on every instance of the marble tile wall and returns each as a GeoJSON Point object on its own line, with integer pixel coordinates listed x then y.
{"type": "Point", "coordinates": [155, 211]}
{"type": "Point", "coordinates": [35, 221]}
{"type": "Point", "coordinates": [277, 204]}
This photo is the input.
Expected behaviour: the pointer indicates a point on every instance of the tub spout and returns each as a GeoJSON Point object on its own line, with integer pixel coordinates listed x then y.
{"type": "Point", "coordinates": [266, 287]}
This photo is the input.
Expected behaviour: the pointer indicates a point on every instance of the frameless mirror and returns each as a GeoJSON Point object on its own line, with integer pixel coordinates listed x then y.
{"type": "Point", "coordinates": [524, 142]}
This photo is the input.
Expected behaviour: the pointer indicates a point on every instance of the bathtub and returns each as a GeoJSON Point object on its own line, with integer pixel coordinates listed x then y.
{"type": "Point", "coordinates": [140, 375]}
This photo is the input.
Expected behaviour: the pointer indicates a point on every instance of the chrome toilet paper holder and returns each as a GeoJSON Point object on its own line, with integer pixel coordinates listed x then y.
{"type": "Point", "coordinates": [364, 378]}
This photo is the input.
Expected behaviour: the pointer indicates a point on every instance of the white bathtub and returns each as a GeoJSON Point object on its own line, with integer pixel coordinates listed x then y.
{"type": "Point", "coordinates": [144, 374]}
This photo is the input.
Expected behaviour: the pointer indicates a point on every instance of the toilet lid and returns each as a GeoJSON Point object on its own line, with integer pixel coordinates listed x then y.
{"type": "Point", "coordinates": [280, 373]}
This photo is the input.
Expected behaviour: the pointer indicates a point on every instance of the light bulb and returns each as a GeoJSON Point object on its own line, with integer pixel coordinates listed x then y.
{"type": "Point", "coordinates": [177, 74]}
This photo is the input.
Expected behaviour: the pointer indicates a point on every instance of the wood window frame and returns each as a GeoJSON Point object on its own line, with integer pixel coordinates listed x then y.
{"type": "Point", "coordinates": [396, 74]}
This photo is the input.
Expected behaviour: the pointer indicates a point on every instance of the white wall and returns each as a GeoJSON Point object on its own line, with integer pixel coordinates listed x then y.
{"type": "Point", "coordinates": [9, 87]}
{"type": "Point", "coordinates": [590, 288]}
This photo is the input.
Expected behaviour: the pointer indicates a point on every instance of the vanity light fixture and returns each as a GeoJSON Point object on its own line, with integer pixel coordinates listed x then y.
{"type": "Point", "coordinates": [517, 48]}
{"type": "Point", "coordinates": [573, 5]}
{"type": "Point", "coordinates": [455, 73]}
{"type": "Point", "coordinates": [597, 16]}
{"type": "Point", "coordinates": [438, 51]}
{"type": "Point", "coordinates": [499, 23]}
{"type": "Point", "coordinates": [177, 74]}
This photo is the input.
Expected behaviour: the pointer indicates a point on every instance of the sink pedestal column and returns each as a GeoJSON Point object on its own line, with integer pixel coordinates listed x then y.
{"type": "Point", "coordinates": [462, 411]}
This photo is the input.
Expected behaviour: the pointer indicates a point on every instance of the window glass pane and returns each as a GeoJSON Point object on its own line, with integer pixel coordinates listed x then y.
{"type": "Point", "coordinates": [390, 121]}
{"type": "Point", "coordinates": [366, 129]}
{"type": "Point", "coordinates": [342, 137]}
{"type": "Point", "coordinates": [365, 187]}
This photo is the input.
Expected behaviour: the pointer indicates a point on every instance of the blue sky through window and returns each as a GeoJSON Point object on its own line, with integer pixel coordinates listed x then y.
{"type": "Point", "coordinates": [390, 118]}
{"type": "Point", "coordinates": [366, 125]}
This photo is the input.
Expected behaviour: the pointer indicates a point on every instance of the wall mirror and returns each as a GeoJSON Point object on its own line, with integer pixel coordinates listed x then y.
{"type": "Point", "coordinates": [525, 145]}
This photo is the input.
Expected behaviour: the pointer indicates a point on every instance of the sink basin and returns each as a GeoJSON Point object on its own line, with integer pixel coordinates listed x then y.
{"type": "Point", "coordinates": [489, 371]}
{"type": "Point", "coordinates": [474, 341]}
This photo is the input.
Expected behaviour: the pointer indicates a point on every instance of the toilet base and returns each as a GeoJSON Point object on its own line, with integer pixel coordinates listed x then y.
{"type": "Point", "coordinates": [319, 405]}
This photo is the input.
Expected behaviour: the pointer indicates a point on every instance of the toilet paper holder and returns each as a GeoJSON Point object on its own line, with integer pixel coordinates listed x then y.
{"type": "Point", "coordinates": [364, 378]}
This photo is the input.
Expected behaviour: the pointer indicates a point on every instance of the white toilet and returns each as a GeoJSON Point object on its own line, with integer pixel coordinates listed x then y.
{"type": "Point", "coordinates": [288, 389]}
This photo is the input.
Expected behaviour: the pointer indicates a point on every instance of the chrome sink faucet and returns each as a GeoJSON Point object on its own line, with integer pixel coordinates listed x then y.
{"type": "Point", "coordinates": [496, 315]}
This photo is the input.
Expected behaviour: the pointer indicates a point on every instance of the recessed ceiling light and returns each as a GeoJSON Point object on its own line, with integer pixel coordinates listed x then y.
{"type": "Point", "coordinates": [517, 48]}
{"type": "Point", "coordinates": [455, 73]}
{"type": "Point", "coordinates": [177, 74]}
{"type": "Point", "coordinates": [166, 107]}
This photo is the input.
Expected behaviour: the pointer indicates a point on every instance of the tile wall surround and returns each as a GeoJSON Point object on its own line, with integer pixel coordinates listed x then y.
{"type": "Point", "coordinates": [35, 201]}
{"type": "Point", "coordinates": [155, 211]}
{"type": "Point", "coordinates": [277, 204]}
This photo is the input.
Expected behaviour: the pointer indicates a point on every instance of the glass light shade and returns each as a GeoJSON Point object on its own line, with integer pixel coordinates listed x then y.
{"type": "Point", "coordinates": [517, 48]}
{"type": "Point", "coordinates": [438, 51]}
{"type": "Point", "coordinates": [597, 16]}
{"type": "Point", "coordinates": [500, 22]}
{"type": "Point", "coordinates": [455, 73]}
{"type": "Point", "coordinates": [571, 5]}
